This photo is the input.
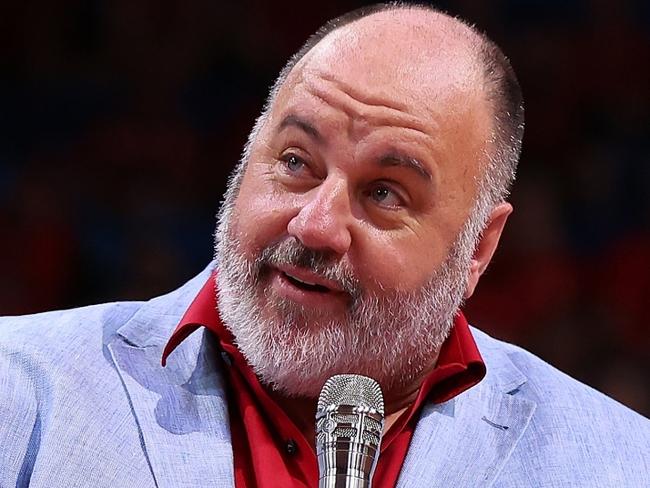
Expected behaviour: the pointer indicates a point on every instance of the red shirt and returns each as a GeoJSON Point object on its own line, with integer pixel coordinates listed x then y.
{"type": "Point", "coordinates": [268, 448]}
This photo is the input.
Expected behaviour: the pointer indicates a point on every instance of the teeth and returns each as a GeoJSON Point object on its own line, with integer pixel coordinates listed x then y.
{"type": "Point", "coordinates": [301, 281]}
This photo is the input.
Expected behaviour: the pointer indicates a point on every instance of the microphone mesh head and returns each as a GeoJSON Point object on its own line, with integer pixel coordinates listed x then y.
{"type": "Point", "coordinates": [351, 389]}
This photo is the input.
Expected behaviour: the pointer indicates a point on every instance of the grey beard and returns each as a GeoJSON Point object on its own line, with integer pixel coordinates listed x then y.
{"type": "Point", "coordinates": [391, 335]}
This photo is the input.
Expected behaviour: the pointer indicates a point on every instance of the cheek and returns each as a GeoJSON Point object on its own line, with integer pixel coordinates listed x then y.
{"type": "Point", "coordinates": [260, 217]}
{"type": "Point", "coordinates": [404, 263]}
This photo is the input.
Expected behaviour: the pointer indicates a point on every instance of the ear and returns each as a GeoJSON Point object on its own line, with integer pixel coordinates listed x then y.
{"type": "Point", "coordinates": [487, 244]}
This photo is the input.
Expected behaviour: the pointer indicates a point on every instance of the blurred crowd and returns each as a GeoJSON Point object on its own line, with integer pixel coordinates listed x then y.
{"type": "Point", "coordinates": [120, 121]}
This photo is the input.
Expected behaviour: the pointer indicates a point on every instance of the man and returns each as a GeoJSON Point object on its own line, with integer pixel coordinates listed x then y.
{"type": "Point", "coordinates": [368, 203]}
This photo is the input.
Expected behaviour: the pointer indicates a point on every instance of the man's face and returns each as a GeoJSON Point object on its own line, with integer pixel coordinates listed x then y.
{"type": "Point", "coordinates": [344, 251]}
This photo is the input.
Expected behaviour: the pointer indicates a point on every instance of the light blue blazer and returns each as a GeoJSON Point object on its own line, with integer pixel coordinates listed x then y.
{"type": "Point", "coordinates": [84, 402]}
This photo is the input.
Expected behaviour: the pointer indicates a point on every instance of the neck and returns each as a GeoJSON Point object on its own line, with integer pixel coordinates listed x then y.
{"type": "Point", "coordinates": [302, 411]}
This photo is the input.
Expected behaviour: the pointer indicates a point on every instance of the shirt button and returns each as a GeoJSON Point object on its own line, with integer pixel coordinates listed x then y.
{"type": "Point", "coordinates": [226, 358]}
{"type": "Point", "coordinates": [291, 447]}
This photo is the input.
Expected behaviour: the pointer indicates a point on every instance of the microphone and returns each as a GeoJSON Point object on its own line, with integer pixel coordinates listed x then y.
{"type": "Point", "coordinates": [349, 425]}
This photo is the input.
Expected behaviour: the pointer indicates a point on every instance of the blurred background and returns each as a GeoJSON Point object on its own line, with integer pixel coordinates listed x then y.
{"type": "Point", "coordinates": [120, 121]}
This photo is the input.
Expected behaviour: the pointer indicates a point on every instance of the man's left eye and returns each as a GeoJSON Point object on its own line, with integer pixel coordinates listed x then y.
{"type": "Point", "coordinates": [385, 196]}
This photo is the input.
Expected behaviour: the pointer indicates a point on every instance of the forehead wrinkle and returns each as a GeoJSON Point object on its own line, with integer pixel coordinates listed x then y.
{"type": "Point", "coordinates": [359, 95]}
{"type": "Point", "coordinates": [366, 109]}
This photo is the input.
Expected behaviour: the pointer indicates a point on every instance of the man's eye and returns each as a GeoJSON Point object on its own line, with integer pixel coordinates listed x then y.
{"type": "Point", "coordinates": [385, 196]}
{"type": "Point", "coordinates": [294, 171]}
{"type": "Point", "coordinates": [293, 163]}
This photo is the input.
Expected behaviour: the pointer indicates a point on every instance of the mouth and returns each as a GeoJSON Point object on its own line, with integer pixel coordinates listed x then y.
{"type": "Point", "coordinates": [305, 285]}
{"type": "Point", "coordinates": [310, 290]}
{"type": "Point", "coordinates": [308, 280]}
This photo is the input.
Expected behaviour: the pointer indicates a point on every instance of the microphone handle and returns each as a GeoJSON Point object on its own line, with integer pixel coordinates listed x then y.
{"type": "Point", "coordinates": [343, 481]}
{"type": "Point", "coordinates": [348, 451]}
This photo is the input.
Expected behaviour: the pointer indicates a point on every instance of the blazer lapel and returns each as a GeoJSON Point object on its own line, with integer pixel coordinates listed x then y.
{"type": "Point", "coordinates": [467, 440]}
{"type": "Point", "coordinates": [180, 410]}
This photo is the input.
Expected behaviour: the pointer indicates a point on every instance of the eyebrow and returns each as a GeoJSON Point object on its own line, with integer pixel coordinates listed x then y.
{"type": "Point", "coordinates": [397, 159]}
{"type": "Point", "coordinates": [391, 159]}
{"type": "Point", "coordinates": [295, 121]}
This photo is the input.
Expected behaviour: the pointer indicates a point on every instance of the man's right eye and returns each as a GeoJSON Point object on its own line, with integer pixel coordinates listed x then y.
{"type": "Point", "coordinates": [293, 163]}
{"type": "Point", "coordinates": [295, 171]}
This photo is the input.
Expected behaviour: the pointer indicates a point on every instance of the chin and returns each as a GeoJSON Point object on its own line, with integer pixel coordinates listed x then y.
{"type": "Point", "coordinates": [297, 362]}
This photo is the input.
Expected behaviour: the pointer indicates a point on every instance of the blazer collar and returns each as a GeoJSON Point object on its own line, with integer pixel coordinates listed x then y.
{"type": "Point", "coordinates": [180, 410]}
{"type": "Point", "coordinates": [155, 321]}
{"type": "Point", "coordinates": [467, 440]}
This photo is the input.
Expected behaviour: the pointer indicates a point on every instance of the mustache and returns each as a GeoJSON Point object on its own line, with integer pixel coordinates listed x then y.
{"type": "Point", "coordinates": [325, 264]}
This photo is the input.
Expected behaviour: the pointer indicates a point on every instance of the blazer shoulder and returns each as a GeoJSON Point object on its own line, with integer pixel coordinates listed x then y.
{"type": "Point", "coordinates": [41, 352]}
{"type": "Point", "coordinates": [67, 335]}
{"type": "Point", "coordinates": [62, 330]}
{"type": "Point", "coordinates": [548, 386]}
{"type": "Point", "coordinates": [574, 425]}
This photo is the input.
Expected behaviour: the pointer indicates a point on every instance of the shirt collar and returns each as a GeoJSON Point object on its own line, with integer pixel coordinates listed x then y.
{"type": "Point", "coordinates": [202, 312]}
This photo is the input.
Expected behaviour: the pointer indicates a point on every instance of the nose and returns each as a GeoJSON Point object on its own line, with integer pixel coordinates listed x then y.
{"type": "Point", "coordinates": [323, 222]}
